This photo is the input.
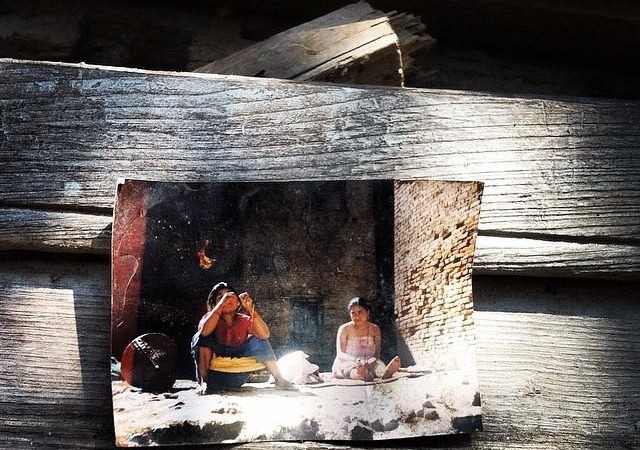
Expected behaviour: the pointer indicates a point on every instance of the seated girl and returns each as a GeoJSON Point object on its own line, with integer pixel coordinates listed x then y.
{"type": "Point", "coordinates": [223, 331]}
{"type": "Point", "coordinates": [358, 347]}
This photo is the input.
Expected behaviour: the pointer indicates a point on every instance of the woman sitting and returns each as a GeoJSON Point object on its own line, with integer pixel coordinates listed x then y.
{"type": "Point", "coordinates": [223, 331]}
{"type": "Point", "coordinates": [358, 347]}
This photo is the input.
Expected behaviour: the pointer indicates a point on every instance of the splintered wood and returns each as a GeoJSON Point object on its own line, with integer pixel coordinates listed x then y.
{"type": "Point", "coordinates": [355, 44]}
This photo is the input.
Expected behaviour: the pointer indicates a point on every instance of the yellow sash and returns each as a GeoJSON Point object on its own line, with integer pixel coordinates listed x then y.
{"type": "Point", "coordinates": [235, 365]}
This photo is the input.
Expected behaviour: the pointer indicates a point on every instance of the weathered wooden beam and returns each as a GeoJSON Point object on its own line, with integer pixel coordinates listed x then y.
{"type": "Point", "coordinates": [322, 42]}
{"type": "Point", "coordinates": [605, 34]}
{"type": "Point", "coordinates": [72, 232]}
{"type": "Point", "coordinates": [558, 368]}
{"type": "Point", "coordinates": [558, 352]}
{"type": "Point", "coordinates": [171, 37]}
{"type": "Point", "coordinates": [355, 44]}
{"type": "Point", "coordinates": [551, 166]}
{"type": "Point", "coordinates": [551, 258]}
{"type": "Point", "coordinates": [54, 231]}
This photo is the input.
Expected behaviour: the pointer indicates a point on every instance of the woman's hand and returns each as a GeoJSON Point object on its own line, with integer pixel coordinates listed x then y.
{"type": "Point", "coordinates": [258, 326]}
{"type": "Point", "coordinates": [247, 302]}
{"type": "Point", "coordinates": [226, 299]}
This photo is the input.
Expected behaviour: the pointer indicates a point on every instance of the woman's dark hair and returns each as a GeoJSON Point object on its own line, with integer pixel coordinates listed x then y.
{"type": "Point", "coordinates": [358, 301]}
{"type": "Point", "coordinates": [211, 299]}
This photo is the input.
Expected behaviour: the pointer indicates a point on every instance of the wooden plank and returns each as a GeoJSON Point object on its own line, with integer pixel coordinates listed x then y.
{"type": "Point", "coordinates": [555, 372]}
{"type": "Point", "coordinates": [143, 35]}
{"type": "Point", "coordinates": [605, 34]}
{"type": "Point", "coordinates": [496, 255]}
{"type": "Point", "coordinates": [55, 371]}
{"type": "Point", "coordinates": [355, 44]}
{"type": "Point", "coordinates": [55, 231]}
{"type": "Point", "coordinates": [565, 167]}
{"type": "Point", "coordinates": [71, 232]}
{"type": "Point", "coordinates": [562, 354]}
{"type": "Point", "coordinates": [324, 47]}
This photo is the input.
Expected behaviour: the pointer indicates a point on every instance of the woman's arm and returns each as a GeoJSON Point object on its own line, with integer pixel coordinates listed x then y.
{"type": "Point", "coordinates": [259, 327]}
{"type": "Point", "coordinates": [210, 320]}
{"type": "Point", "coordinates": [341, 342]}
{"type": "Point", "coordinates": [377, 339]}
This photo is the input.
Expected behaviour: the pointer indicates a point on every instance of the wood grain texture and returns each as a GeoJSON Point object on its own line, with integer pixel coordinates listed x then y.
{"type": "Point", "coordinates": [354, 45]}
{"type": "Point", "coordinates": [558, 361]}
{"type": "Point", "coordinates": [564, 167]}
{"type": "Point", "coordinates": [604, 34]}
{"type": "Point", "coordinates": [551, 258]}
{"type": "Point", "coordinates": [54, 231]}
{"type": "Point", "coordinates": [562, 355]}
{"type": "Point", "coordinates": [324, 48]}
{"type": "Point", "coordinates": [71, 232]}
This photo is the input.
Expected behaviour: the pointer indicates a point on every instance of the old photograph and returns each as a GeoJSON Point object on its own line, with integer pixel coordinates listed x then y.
{"type": "Point", "coordinates": [309, 310]}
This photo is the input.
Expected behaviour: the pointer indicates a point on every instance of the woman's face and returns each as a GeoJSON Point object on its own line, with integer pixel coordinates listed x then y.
{"type": "Point", "coordinates": [230, 298]}
{"type": "Point", "coordinates": [358, 314]}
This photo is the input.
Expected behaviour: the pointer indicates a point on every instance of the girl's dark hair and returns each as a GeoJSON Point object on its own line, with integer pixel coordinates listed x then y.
{"type": "Point", "coordinates": [358, 301]}
{"type": "Point", "coordinates": [211, 299]}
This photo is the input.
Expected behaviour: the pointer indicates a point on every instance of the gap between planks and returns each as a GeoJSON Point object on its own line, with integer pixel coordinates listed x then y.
{"type": "Point", "coordinates": [81, 233]}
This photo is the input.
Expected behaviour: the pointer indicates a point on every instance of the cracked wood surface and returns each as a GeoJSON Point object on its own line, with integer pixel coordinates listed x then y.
{"type": "Point", "coordinates": [85, 233]}
{"type": "Point", "coordinates": [560, 167]}
{"type": "Point", "coordinates": [562, 175]}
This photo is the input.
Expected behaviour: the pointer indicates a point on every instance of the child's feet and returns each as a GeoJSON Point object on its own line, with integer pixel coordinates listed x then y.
{"type": "Point", "coordinates": [391, 368]}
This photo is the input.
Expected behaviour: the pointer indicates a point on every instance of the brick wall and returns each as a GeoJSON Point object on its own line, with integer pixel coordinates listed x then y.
{"type": "Point", "coordinates": [435, 233]}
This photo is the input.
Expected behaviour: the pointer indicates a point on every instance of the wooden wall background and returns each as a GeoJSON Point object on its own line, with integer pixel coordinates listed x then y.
{"type": "Point", "coordinates": [557, 265]}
